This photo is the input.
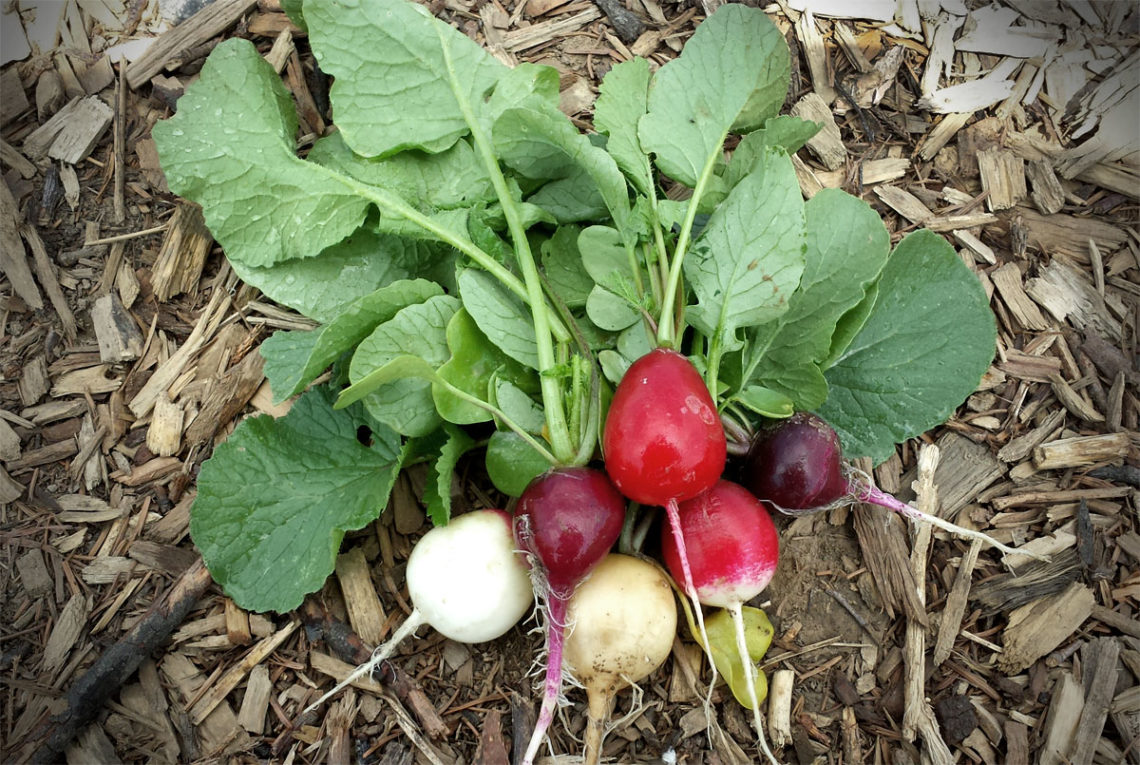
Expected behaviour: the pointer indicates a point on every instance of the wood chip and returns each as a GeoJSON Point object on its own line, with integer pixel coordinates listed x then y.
{"type": "Point", "coordinates": [13, 99]}
{"type": "Point", "coordinates": [1037, 628]}
{"type": "Point", "coordinates": [9, 442]}
{"type": "Point", "coordinates": [1008, 282]}
{"type": "Point", "coordinates": [35, 580]}
{"type": "Point", "coordinates": [1003, 178]}
{"type": "Point", "coordinates": [120, 339]}
{"type": "Point", "coordinates": [219, 731]}
{"type": "Point", "coordinates": [1068, 294]}
{"type": "Point", "coordinates": [72, 133]}
{"type": "Point", "coordinates": [228, 681]}
{"type": "Point", "coordinates": [12, 157]}
{"type": "Point", "coordinates": [45, 272]}
{"type": "Point", "coordinates": [1045, 188]}
{"type": "Point", "coordinates": [827, 144]}
{"type": "Point", "coordinates": [537, 34]}
{"type": "Point", "coordinates": [1100, 691]}
{"type": "Point", "coordinates": [1081, 451]}
{"type": "Point", "coordinates": [164, 436]}
{"type": "Point", "coordinates": [237, 624]}
{"type": "Point", "coordinates": [1061, 721]}
{"type": "Point", "coordinates": [210, 21]}
{"type": "Point", "coordinates": [956, 604]}
{"type": "Point", "coordinates": [365, 613]}
{"type": "Point", "coordinates": [68, 627]}
{"type": "Point", "coordinates": [819, 64]}
{"type": "Point", "coordinates": [255, 702]}
{"type": "Point", "coordinates": [13, 261]}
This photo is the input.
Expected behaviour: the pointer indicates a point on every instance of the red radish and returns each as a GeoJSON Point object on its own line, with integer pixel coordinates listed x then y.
{"type": "Point", "coordinates": [466, 580]}
{"type": "Point", "coordinates": [733, 549]}
{"type": "Point", "coordinates": [797, 465]}
{"type": "Point", "coordinates": [664, 442]}
{"type": "Point", "coordinates": [566, 521]}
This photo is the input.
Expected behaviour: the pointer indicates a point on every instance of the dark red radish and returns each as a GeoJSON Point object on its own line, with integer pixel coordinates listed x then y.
{"type": "Point", "coordinates": [797, 465]}
{"type": "Point", "coordinates": [566, 521]}
{"type": "Point", "coordinates": [663, 442]}
{"type": "Point", "coordinates": [732, 551]}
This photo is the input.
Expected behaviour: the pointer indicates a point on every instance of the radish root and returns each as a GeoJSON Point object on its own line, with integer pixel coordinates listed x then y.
{"type": "Point", "coordinates": [414, 621]}
{"type": "Point", "coordinates": [861, 488]}
{"type": "Point", "coordinates": [750, 681]}
{"type": "Point", "coordinates": [673, 512]}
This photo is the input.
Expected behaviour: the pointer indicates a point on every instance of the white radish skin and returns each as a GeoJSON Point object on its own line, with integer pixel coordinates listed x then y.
{"type": "Point", "coordinates": [465, 580]}
{"type": "Point", "coordinates": [622, 623]}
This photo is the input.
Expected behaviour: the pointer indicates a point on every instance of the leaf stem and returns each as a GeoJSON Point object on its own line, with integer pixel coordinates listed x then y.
{"type": "Point", "coordinates": [552, 405]}
{"type": "Point", "coordinates": [667, 330]}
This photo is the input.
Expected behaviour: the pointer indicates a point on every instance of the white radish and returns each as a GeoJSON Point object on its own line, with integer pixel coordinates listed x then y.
{"type": "Point", "coordinates": [622, 623]}
{"type": "Point", "coordinates": [465, 580]}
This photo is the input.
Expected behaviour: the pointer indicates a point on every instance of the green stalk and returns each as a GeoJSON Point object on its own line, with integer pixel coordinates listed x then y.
{"type": "Point", "coordinates": [396, 206]}
{"type": "Point", "coordinates": [501, 415]}
{"type": "Point", "coordinates": [667, 330]}
{"type": "Point", "coordinates": [552, 406]}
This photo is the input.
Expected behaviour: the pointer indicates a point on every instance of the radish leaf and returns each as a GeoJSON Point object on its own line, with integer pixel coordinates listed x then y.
{"type": "Point", "coordinates": [732, 74]}
{"type": "Point", "coordinates": [253, 517]}
{"type": "Point", "coordinates": [927, 342]}
{"type": "Point", "coordinates": [419, 330]}
{"type": "Point", "coordinates": [722, 640]}
{"type": "Point", "coordinates": [847, 246]}
{"type": "Point", "coordinates": [502, 317]}
{"type": "Point", "coordinates": [230, 148]}
{"type": "Point", "coordinates": [748, 260]}
{"type": "Point", "coordinates": [623, 99]}
{"type": "Point", "coordinates": [294, 359]}
{"type": "Point", "coordinates": [475, 361]}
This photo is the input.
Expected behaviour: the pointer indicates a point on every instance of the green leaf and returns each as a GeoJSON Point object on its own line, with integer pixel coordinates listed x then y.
{"type": "Point", "coordinates": [847, 246]}
{"type": "Point", "coordinates": [396, 68]}
{"type": "Point", "coordinates": [926, 344]}
{"type": "Point", "coordinates": [562, 264]}
{"type": "Point", "coordinates": [518, 405]}
{"type": "Point", "coordinates": [849, 325]}
{"type": "Point", "coordinates": [604, 257]}
{"type": "Point", "coordinates": [732, 74]}
{"type": "Point", "coordinates": [294, 359]}
{"type": "Point", "coordinates": [272, 509]}
{"type": "Point", "coordinates": [610, 311]}
{"type": "Point", "coordinates": [541, 142]}
{"type": "Point", "coordinates": [781, 132]}
{"type": "Point", "coordinates": [572, 199]}
{"type": "Point", "coordinates": [766, 402]}
{"type": "Point", "coordinates": [454, 178]}
{"type": "Point", "coordinates": [614, 365]}
{"type": "Point", "coordinates": [757, 638]}
{"type": "Point", "coordinates": [747, 262]}
{"type": "Point", "coordinates": [230, 149]}
{"type": "Point", "coordinates": [474, 363]}
{"type": "Point", "coordinates": [293, 10]}
{"type": "Point", "coordinates": [437, 492]}
{"type": "Point", "coordinates": [501, 316]}
{"type": "Point", "coordinates": [511, 462]}
{"type": "Point", "coordinates": [419, 331]}
{"type": "Point", "coordinates": [623, 100]}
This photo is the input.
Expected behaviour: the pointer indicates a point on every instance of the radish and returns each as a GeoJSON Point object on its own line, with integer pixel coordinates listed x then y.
{"type": "Point", "coordinates": [733, 549]}
{"type": "Point", "coordinates": [566, 521]}
{"type": "Point", "coordinates": [797, 465]}
{"type": "Point", "coordinates": [465, 580]}
{"type": "Point", "coordinates": [623, 620]}
{"type": "Point", "coordinates": [663, 442]}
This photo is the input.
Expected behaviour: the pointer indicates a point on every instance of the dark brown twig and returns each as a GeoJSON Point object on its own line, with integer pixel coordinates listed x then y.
{"type": "Point", "coordinates": [87, 695]}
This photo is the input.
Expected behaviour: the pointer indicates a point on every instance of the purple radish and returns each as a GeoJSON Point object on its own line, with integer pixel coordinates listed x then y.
{"type": "Point", "coordinates": [797, 465]}
{"type": "Point", "coordinates": [566, 521]}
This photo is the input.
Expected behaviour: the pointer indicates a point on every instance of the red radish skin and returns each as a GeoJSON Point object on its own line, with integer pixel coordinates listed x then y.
{"type": "Point", "coordinates": [663, 442]}
{"type": "Point", "coordinates": [733, 549]}
{"type": "Point", "coordinates": [732, 544]}
{"type": "Point", "coordinates": [566, 521]}
{"type": "Point", "coordinates": [797, 466]}
{"type": "Point", "coordinates": [663, 439]}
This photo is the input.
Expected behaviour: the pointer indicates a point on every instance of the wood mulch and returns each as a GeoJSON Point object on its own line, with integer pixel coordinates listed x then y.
{"type": "Point", "coordinates": [128, 349]}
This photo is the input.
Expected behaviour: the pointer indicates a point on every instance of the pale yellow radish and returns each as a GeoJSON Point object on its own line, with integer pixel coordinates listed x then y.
{"type": "Point", "coordinates": [623, 620]}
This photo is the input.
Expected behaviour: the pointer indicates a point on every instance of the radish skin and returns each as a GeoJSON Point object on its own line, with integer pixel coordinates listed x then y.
{"type": "Point", "coordinates": [466, 580]}
{"type": "Point", "coordinates": [566, 521]}
{"type": "Point", "coordinates": [663, 442]}
{"type": "Point", "coordinates": [797, 466]}
{"type": "Point", "coordinates": [733, 551]}
{"type": "Point", "coordinates": [623, 619]}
